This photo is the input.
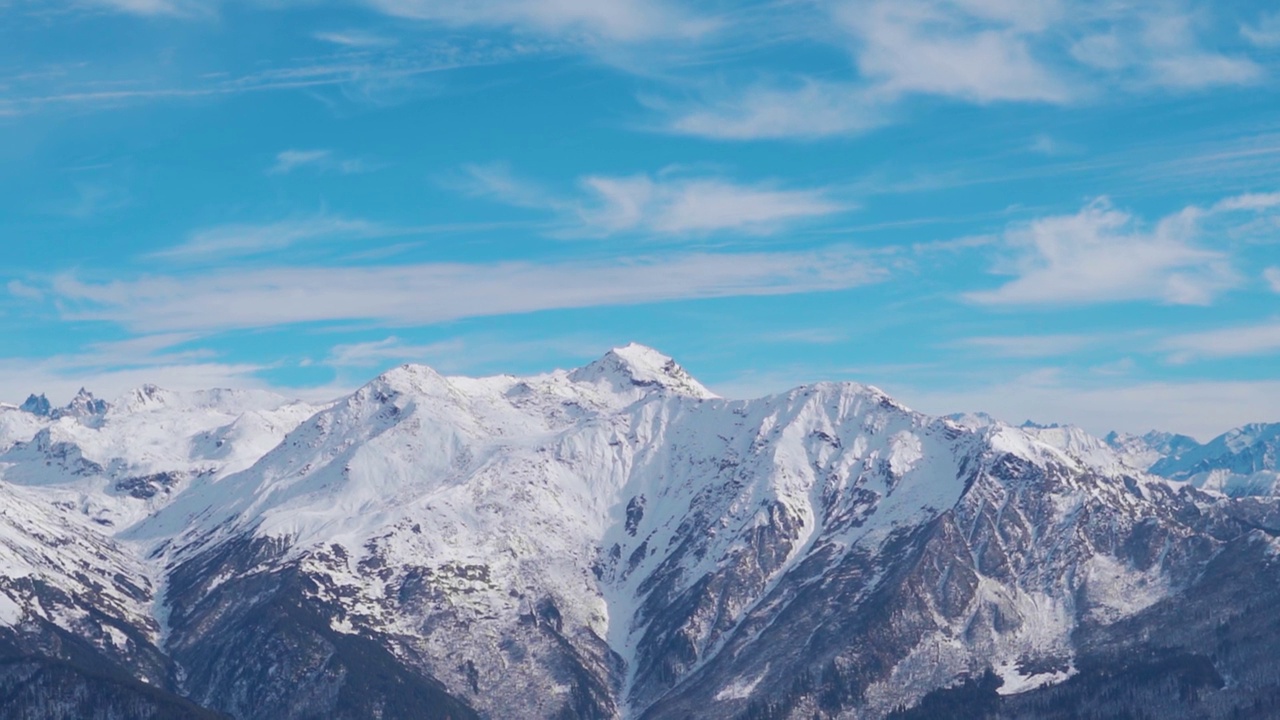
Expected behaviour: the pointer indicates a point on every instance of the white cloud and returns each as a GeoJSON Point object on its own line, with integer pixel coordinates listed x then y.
{"type": "Point", "coordinates": [1248, 201]}
{"type": "Point", "coordinates": [1027, 346]}
{"type": "Point", "coordinates": [496, 180]}
{"type": "Point", "coordinates": [354, 39]}
{"type": "Point", "coordinates": [971, 50]}
{"type": "Point", "coordinates": [808, 336]}
{"type": "Point", "coordinates": [1272, 276]}
{"type": "Point", "coordinates": [666, 205]}
{"type": "Point", "coordinates": [1103, 254]}
{"type": "Point", "coordinates": [932, 47]}
{"type": "Point", "coordinates": [430, 293]}
{"type": "Point", "coordinates": [23, 291]}
{"type": "Point", "coordinates": [1199, 70]}
{"type": "Point", "coordinates": [1159, 44]}
{"type": "Point", "coordinates": [611, 20]}
{"type": "Point", "coordinates": [1103, 50]}
{"type": "Point", "coordinates": [809, 109]}
{"type": "Point", "coordinates": [1264, 33]}
{"type": "Point", "coordinates": [379, 352]}
{"type": "Point", "coordinates": [1050, 146]}
{"type": "Point", "coordinates": [146, 7]}
{"type": "Point", "coordinates": [239, 240]}
{"type": "Point", "coordinates": [681, 206]}
{"type": "Point", "coordinates": [1138, 43]}
{"type": "Point", "coordinates": [290, 160]}
{"type": "Point", "coordinates": [1240, 341]}
{"type": "Point", "coordinates": [142, 350]}
{"type": "Point", "coordinates": [975, 51]}
{"type": "Point", "coordinates": [363, 75]}
{"type": "Point", "coordinates": [615, 20]}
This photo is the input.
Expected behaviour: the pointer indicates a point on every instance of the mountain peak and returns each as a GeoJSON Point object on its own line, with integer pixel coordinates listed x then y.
{"type": "Point", "coordinates": [83, 405]}
{"type": "Point", "coordinates": [639, 366]}
{"type": "Point", "coordinates": [37, 405]}
{"type": "Point", "coordinates": [146, 396]}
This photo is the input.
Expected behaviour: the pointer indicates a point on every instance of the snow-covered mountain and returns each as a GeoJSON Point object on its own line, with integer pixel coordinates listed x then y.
{"type": "Point", "coordinates": [1242, 461]}
{"type": "Point", "coordinates": [613, 541]}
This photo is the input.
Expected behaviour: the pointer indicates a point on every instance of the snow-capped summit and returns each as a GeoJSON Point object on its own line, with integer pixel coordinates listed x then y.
{"type": "Point", "coordinates": [146, 396]}
{"type": "Point", "coordinates": [607, 542]}
{"type": "Point", "coordinates": [638, 366]}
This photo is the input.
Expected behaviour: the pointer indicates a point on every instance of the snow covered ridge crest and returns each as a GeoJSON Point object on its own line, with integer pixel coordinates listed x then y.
{"type": "Point", "coordinates": [606, 542]}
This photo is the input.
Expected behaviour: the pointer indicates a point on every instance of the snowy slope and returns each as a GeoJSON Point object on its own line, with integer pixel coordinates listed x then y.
{"type": "Point", "coordinates": [76, 478]}
{"type": "Point", "coordinates": [647, 517]}
{"type": "Point", "coordinates": [132, 458]}
{"type": "Point", "coordinates": [609, 541]}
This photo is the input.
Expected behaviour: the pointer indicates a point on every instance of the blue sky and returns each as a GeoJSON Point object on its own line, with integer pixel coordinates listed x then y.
{"type": "Point", "coordinates": [1059, 210]}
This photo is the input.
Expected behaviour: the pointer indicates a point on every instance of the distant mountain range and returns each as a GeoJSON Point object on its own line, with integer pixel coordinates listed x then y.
{"type": "Point", "coordinates": [615, 541]}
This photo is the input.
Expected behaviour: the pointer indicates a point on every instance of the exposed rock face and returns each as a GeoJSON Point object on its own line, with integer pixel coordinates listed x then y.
{"type": "Point", "coordinates": [612, 542]}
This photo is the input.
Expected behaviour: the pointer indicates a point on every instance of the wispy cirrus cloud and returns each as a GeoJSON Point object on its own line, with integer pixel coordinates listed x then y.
{"type": "Point", "coordinates": [1027, 346]}
{"type": "Point", "coordinates": [359, 72]}
{"type": "Point", "coordinates": [698, 205]}
{"type": "Point", "coordinates": [438, 292]}
{"type": "Point", "coordinates": [1265, 32]}
{"type": "Point", "coordinates": [149, 7]}
{"type": "Point", "coordinates": [1272, 276]}
{"type": "Point", "coordinates": [497, 181]}
{"type": "Point", "coordinates": [1239, 341]}
{"type": "Point", "coordinates": [1104, 254]}
{"type": "Point", "coordinates": [391, 349]}
{"type": "Point", "coordinates": [663, 206]}
{"type": "Point", "coordinates": [355, 38]}
{"type": "Point", "coordinates": [288, 161]}
{"type": "Point", "coordinates": [1056, 52]}
{"type": "Point", "coordinates": [1146, 43]}
{"type": "Point", "coordinates": [613, 20]}
{"type": "Point", "coordinates": [238, 240]}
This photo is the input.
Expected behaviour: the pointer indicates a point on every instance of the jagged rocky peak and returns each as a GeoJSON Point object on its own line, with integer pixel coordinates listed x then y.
{"type": "Point", "coordinates": [84, 405]}
{"type": "Point", "coordinates": [638, 366]}
{"type": "Point", "coordinates": [37, 405]}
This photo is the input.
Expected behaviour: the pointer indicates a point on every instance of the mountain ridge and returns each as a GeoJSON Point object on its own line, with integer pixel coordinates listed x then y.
{"type": "Point", "coordinates": [611, 541]}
